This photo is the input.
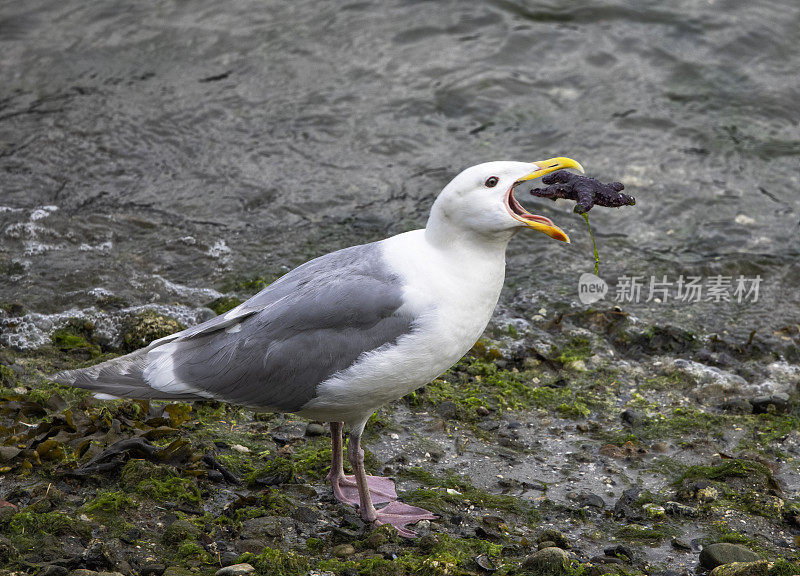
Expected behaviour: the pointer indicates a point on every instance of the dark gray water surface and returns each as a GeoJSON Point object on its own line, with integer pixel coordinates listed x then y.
{"type": "Point", "coordinates": [192, 143]}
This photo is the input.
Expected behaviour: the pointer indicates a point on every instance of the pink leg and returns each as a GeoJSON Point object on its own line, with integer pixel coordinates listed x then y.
{"type": "Point", "coordinates": [345, 487]}
{"type": "Point", "coordinates": [395, 513]}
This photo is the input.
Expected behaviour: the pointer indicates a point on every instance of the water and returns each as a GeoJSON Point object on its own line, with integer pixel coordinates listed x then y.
{"type": "Point", "coordinates": [158, 152]}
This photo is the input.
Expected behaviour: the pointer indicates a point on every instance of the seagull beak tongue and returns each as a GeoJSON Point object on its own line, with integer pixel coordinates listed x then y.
{"type": "Point", "coordinates": [541, 223]}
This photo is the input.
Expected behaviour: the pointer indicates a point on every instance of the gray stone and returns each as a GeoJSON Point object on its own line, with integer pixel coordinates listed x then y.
{"type": "Point", "coordinates": [236, 570]}
{"type": "Point", "coordinates": [447, 410]}
{"type": "Point", "coordinates": [720, 553]}
{"type": "Point", "coordinates": [551, 561]}
{"type": "Point", "coordinates": [778, 403]}
{"type": "Point", "coordinates": [592, 501]}
{"type": "Point", "coordinates": [315, 429]}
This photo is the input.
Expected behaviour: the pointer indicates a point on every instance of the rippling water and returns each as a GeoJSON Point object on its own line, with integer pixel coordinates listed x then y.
{"type": "Point", "coordinates": [158, 150]}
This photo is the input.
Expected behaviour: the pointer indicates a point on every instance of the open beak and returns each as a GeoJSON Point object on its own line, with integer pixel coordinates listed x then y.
{"type": "Point", "coordinates": [540, 223]}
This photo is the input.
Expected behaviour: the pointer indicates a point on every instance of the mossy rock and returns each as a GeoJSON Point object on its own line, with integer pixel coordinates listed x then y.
{"type": "Point", "coordinates": [8, 378]}
{"type": "Point", "coordinates": [142, 329]}
{"type": "Point", "coordinates": [76, 338]}
{"type": "Point", "coordinates": [223, 304]}
{"type": "Point", "coordinates": [180, 530]}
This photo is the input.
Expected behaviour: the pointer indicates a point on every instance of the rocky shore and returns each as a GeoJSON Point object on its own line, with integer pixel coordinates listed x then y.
{"type": "Point", "coordinates": [573, 442]}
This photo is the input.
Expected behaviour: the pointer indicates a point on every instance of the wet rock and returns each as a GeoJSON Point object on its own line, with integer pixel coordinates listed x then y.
{"type": "Point", "coordinates": [619, 551]}
{"type": "Point", "coordinates": [632, 417]}
{"type": "Point", "coordinates": [680, 544]}
{"type": "Point", "coordinates": [315, 429]}
{"type": "Point", "coordinates": [551, 561]}
{"type": "Point", "coordinates": [180, 530]}
{"type": "Point", "coordinates": [236, 570]}
{"type": "Point", "coordinates": [737, 406]}
{"type": "Point", "coordinates": [99, 555]}
{"type": "Point", "coordinates": [7, 551]}
{"type": "Point", "coordinates": [554, 536]}
{"type": "Point", "coordinates": [720, 553]}
{"type": "Point", "coordinates": [591, 501]}
{"type": "Point", "coordinates": [152, 570]}
{"type": "Point", "coordinates": [54, 570]}
{"type": "Point", "coordinates": [653, 510]}
{"type": "Point", "coordinates": [678, 509]}
{"type": "Point", "coordinates": [141, 329]}
{"type": "Point", "coordinates": [760, 568]}
{"type": "Point", "coordinates": [546, 544]}
{"type": "Point", "coordinates": [482, 411]}
{"type": "Point", "coordinates": [263, 526]}
{"type": "Point", "coordinates": [627, 505]}
{"type": "Point", "coordinates": [778, 403]}
{"type": "Point", "coordinates": [343, 550]}
{"type": "Point", "coordinates": [447, 410]}
{"type": "Point", "coordinates": [485, 563]}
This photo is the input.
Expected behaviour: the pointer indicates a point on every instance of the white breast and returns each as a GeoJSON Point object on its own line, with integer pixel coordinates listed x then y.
{"type": "Point", "coordinates": [452, 296]}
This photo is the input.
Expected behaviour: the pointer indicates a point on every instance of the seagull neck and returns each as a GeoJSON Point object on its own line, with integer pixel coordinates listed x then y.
{"type": "Point", "coordinates": [444, 235]}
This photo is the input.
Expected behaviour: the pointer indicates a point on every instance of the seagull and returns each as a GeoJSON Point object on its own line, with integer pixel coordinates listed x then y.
{"type": "Point", "coordinates": [345, 333]}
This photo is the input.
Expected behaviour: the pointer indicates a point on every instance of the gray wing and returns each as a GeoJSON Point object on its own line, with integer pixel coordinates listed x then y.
{"type": "Point", "coordinates": [274, 349]}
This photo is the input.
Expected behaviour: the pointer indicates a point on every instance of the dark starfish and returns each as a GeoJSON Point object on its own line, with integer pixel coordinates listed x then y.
{"type": "Point", "coordinates": [585, 191]}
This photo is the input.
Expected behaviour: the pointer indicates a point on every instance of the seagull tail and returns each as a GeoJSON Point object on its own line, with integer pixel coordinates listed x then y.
{"type": "Point", "coordinates": [121, 377]}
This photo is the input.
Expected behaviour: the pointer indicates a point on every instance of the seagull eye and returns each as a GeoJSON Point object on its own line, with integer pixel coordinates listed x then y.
{"type": "Point", "coordinates": [491, 182]}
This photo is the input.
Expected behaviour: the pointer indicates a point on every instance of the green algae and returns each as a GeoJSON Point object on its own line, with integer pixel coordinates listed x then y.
{"type": "Point", "coordinates": [576, 349]}
{"type": "Point", "coordinates": [75, 340]}
{"type": "Point", "coordinates": [594, 244]}
{"type": "Point", "coordinates": [783, 567]}
{"type": "Point", "coordinates": [158, 482]}
{"type": "Point", "coordinates": [8, 378]}
{"type": "Point", "coordinates": [650, 535]}
{"type": "Point", "coordinates": [272, 562]}
{"type": "Point", "coordinates": [474, 382]}
{"type": "Point", "coordinates": [443, 555]}
{"type": "Point", "coordinates": [107, 502]}
{"type": "Point", "coordinates": [734, 468]}
{"type": "Point", "coordinates": [453, 489]}
{"type": "Point", "coordinates": [223, 304]}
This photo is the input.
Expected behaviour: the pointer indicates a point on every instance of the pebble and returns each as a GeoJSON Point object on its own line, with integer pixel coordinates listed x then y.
{"type": "Point", "coordinates": [720, 553]}
{"type": "Point", "coordinates": [680, 544]}
{"type": "Point", "coordinates": [315, 429]}
{"type": "Point", "coordinates": [240, 449]}
{"type": "Point", "coordinates": [447, 410]}
{"type": "Point", "coordinates": [760, 568]}
{"type": "Point", "coordinates": [235, 570]}
{"type": "Point", "coordinates": [632, 417]}
{"type": "Point", "coordinates": [592, 501]}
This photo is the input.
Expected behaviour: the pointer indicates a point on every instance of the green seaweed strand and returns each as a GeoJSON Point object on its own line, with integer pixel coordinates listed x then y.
{"type": "Point", "coordinates": [594, 244]}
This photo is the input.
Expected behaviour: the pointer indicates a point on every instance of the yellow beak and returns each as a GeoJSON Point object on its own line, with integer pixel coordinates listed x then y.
{"type": "Point", "coordinates": [547, 166]}
{"type": "Point", "coordinates": [541, 223]}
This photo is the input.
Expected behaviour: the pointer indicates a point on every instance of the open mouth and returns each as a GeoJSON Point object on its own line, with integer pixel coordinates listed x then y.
{"type": "Point", "coordinates": [534, 221]}
{"type": "Point", "coordinates": [518, 212]}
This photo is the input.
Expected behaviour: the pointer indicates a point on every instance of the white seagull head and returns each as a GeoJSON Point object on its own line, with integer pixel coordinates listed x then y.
{"type": "Point", "coordinates": [480, 200]}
